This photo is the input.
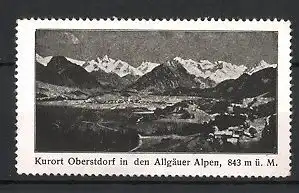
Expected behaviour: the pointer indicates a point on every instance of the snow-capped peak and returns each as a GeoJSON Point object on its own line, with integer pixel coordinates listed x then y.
{"type": "Point", "coordinates": [260, 66]}
{"type": "Point", "coordinates": [110, 65]}
{"type": "Point", "coordinates": [43, 60]}
{"type": "Point", "coordinates": [191, 66]}
{"type": "Point", "coordinates": [78, 62]}
{"type": "Point", "coordinates": [122, 69]}
{"type": "Point", "coordinates": [106, 58]}
{"type": "Point", "coordinates": [179, 59]}
{"type": "Point", "coordinates": [227, 71]}
{"type": "Point", "coordinates": [206, 64]}
{"type": "Point", "coordinates": [146, 67]}
{"type": "Point", "coordinates": [183, 61]}
{"type": "Point", "coordinates": [217, 72]}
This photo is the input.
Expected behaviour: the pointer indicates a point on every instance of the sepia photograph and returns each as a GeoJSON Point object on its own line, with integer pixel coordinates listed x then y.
{"type": "Point", "coordinates": [156, 91]}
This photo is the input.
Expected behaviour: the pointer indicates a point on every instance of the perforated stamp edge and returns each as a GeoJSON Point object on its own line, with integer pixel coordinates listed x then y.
{"type": "Point", "coordinates": [25, 115]}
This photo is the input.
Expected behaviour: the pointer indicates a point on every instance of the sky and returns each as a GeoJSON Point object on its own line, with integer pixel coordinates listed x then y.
{"type": "Point", "coordinates": [134, 47]}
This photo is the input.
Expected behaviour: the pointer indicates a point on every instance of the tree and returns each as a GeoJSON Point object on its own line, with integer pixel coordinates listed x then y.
{"type": "Point", "coordinates": [269, 134]}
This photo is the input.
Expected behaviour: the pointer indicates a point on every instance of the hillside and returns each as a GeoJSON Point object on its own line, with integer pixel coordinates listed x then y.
{"type": "Point", "coordinates": [60, 71]}
{"type": "Point", "coordinates": [165, 77]}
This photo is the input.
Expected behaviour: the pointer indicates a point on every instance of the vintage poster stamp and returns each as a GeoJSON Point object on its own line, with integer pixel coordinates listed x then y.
{"type": "Point", "coordinates": [157, 97]}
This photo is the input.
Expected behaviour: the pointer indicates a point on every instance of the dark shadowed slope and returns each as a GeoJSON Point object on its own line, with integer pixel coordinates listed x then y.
{"type": "Point", "coordinates": [112, 80]}
{"type": "Point", "coordinates": [165, 77]}
{"type": "Point", "coordinates": [261, 82]}
{"type": "Point", "coordinates": [60, 71]}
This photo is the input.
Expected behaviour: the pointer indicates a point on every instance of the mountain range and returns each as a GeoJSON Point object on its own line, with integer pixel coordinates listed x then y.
{"type": "Point", "coordinates": [111, 73]}
{"type": "Point", "coordinates": [109, 65]}
{"type": "Point", "coordinates": [216, 72]}
{"type": "Point", "coordinates": [262, 82]}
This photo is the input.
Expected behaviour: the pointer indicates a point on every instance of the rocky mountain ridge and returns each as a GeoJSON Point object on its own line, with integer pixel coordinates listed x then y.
{"type": "Point", "coordinates": [176, 73]}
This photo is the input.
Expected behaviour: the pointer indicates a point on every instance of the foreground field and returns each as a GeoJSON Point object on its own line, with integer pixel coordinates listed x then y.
{"type": "Point", "coordinates": [155, 124]}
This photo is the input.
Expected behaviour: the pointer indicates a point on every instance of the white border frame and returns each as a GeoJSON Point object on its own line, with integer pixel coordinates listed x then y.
{"type": "Point", "coordinates": [26, 104]}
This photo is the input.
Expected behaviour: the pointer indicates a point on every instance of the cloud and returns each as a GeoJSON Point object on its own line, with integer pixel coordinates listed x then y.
{"type": "Point", "coordinates": [71, 37]}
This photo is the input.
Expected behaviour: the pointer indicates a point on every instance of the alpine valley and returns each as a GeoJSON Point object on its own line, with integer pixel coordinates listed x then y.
{"type": "Point", "coordinates": [181, 105]}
